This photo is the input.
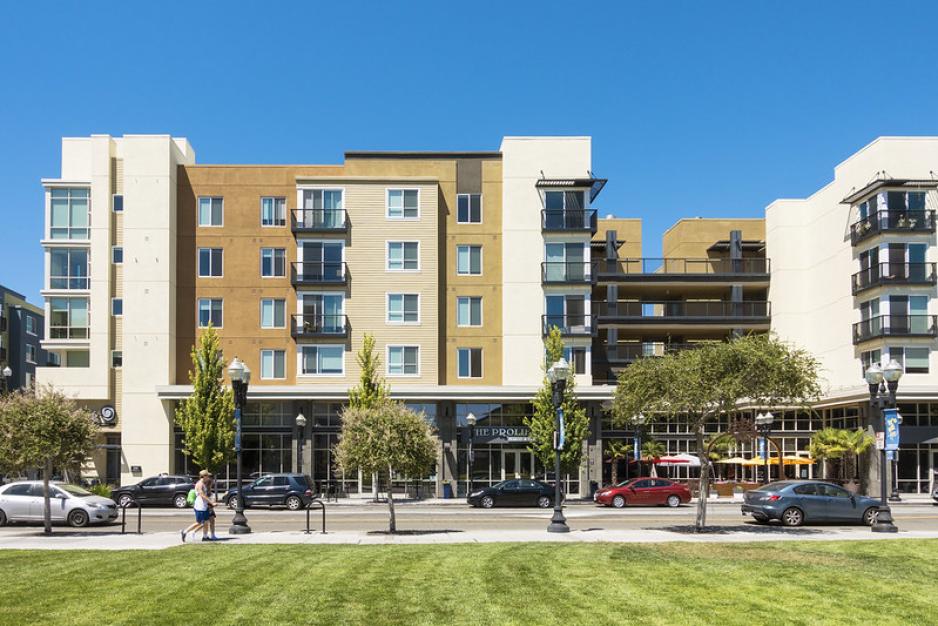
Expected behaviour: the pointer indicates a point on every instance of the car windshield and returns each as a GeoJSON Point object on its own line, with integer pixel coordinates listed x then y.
{"type": "Point", "coordinates": [75, 490]}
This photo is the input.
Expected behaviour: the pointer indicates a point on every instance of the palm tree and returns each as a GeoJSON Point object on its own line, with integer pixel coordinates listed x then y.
{"type": "Point", "coordinates": [855, 443]}
{"type": "Point", "coordinates": [617, 451]}
{"type": "Point", "coordinates": [652, 450]}
{"type": "Point", "coordinates": [828, 444]}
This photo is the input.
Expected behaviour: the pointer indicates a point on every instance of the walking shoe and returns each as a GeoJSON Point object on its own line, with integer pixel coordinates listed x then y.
{"type": "Point", "coordinates": [214, 537]}
{"type": "Point", "coordinates": [182, 534]}
{"type": "Point", "coordinates": [207, 539]}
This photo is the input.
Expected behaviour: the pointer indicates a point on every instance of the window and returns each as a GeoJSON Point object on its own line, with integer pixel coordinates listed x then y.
{"type": "Point", "coordinates": [322, 208]}
{"type": "Point", "coordinates": [273, 313]}
{"type": "Point", "coordinates": [211, 211]}
{"type": "Point", "coordinates": [403, 255]}
{"type": "Point", "coordinates": [403, 204]}
{"type": "Point", "coordinates": [868, 358]}
{"type": "Point", "coordinates": [30, 324]}
{"type": "Point", "coordinates": [469, 208]}
{"type": "Point", "coordinates": [403, 308]}
{"type": "Point", "coordinates": [117, 359]}
{"type": "Point", "coordinates": [322, 312]}
{"type": "Point", "coordinates": [273, 211]}
{"type": "Point", "coordinates": [210, 312]}
{"type": "Point", "coordinates": [118, 203]}
{"type": "Point", "coordinates": [564, 201]}
{"type": "Point", "coordinates": [117, 255]}
{"type": "Point", "coordinates": [117, 306]}
{"type": "Point", "coordinates": [403, 360]}
{"type": "Point", "coordinates": [273, 262]}
{"type": "Point", "coordinates": [914, 360]}
{"type": "Point", "coordinates": [68, 318]}
{"type": "Point", "coordinates": [68, 268]}
{"type": "Point", "coordinates": [273, 364]}
{"type": "Point", "coordinates": [469, 260]}
{"type": "Point", "coordinates": [77, 358]}
{"type": "Point", "coordinates": [576, 357]}
{"type": "Point", "coordinates": [210, 262]}
{"type": "Point", "coordinates": [321, 261]}
{"type": "Point", "coordinates": [70, 215]}
{"type": "Point", "coordinates": [469, 362]}
{"type": "Point", "coordinates": [469, 311]}
{"type": "Point", "coordinates": [30, 353]}
{"type": "Point", "coordinates": [322, 360]}
{"type": "Point", "coordinates": [566, 262]}
{"type": "Point", "coordinates": [53, 359]}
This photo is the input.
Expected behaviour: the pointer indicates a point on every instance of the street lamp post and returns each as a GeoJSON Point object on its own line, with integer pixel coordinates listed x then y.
{"type": "Point", "coordinates": [883, 383]}
{"type": "Point", "coordinates": [557, 375]}
{"type": "Point", "coordinates": [300, 435]}
{"type": "Point", "coordinates": [5, 374]}
{"type": "Point", "coordinates": [764, 426]}
{"type": "Point", "coordinates": [240, 376]}
{"type": "Point", "coordinates": [471, 421]}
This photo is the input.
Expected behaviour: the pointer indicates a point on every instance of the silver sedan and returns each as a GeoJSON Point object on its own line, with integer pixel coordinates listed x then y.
{"type": "Point", "coordinates": [23, 502]}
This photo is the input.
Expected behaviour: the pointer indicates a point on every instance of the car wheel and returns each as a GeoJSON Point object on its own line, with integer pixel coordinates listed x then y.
{"type": "Point", "coordinates": [233, 502]}
{"type": "Point", "coordinates": [674, 501]}
{"type": "Point", "coordinates": [543, 502]}
{"type": "Point", "coordinates": [294, 503]}
{"type": "Point", "coordinates": [792, 517]}
{"type": "Point", "coordinates": [618, 502]}
{"type": "Point", "coordinates": [3, 518]}
{"type": "Point", "coordinates": [125, 500]}
{"type": "Point", "coordinates": [78, 518]}
{"type": "Point", "coordinates": [180, 501]}
{"type": "Point", "coordinates": [487, 502]}
{"type": "Point", "coordinates": [869, 516]}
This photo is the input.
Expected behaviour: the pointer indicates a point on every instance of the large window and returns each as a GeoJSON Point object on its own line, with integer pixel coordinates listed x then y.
{"type": "Point", "coordinates": [210, 312]}
{"type": "Point", "coordinates": [322, 208]}
{"type": "Point", "coordinates": [403, 204]}
{"type": "Point", "coordinates": [469, 362]}
{"type": "Point", "coordinates": [469, 208]}
{"type": "Point", "coordinates": [273, 211]}
{"type": "Point", "coordinates": [273, 262]}
{"type": "Point", "coordinates": [403, 308]}
{"type": "Point", "coordinates": [68, 318]}
{"type": "Point", "coordinates": [469, 260]}
{"type": "Point", "coordinates": [118, 202]}
{"type": "Point", "coordinates": [70, 214]}
{"type": "Point", "coordinates": [576, 357]}
{"type": "Point", "coordinates": [68, 268]}
{"type": "Point", "coordinates": [210, 262]}
{"type": "Point", "coordinates": [117, 255]}
{"type": "Point", "coordinates": [117, 307]}
{"type": "Point", "coordinates": [273, 364]}
{"type": "Point", "coordinates": [913, 359]}
{"type": "Point", "coordinates": [868, 358]}
{"type": "Point", "coordinates": [403, 360]}
{"type": "Point", "coordinates": [469, 311]}
{"type": "Point", "coordinates": [211, 211]}
{"type": "Point", "coordinates": [403, 255]}
{"type": "Point", "coordinates": [322, 360]}
{"type": "Point", "coordinates": [30, 324]}
{"type": "Point", "coordinates": [273, 313]}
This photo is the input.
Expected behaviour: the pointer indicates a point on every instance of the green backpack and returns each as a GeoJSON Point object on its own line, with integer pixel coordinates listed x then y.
{"type": "Point", "coordinates": [190, 497]}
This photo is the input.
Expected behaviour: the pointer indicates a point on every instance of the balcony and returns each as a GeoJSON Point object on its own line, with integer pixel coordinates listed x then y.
{"type": "Point", "coordinates": [884, 274]}
{"type": "Point", "coordinates": [566, 273]}
{"type": "Point", "coordinates": [895, 326]}
{"type": "Point", "coordinates": [566, 221]}
{"type": "Point", "coordinates": [319, 326]}
{"type": "Point", "coordinates": [664, 314]}
{"type": "Point", "coordinates": [892, 222]}
{"type": "Point", "coordinates": [569, 325]}
{"type": "Point", "coordinates": [319, 274]}
{"type": "Point", "coordinates": [320, 221]}
{"type": "Point", "coordinates": [624, 354]}
{"type": "Point", "coordinates": [683, 270]}
{"type": "Point", "coordinates": [68, 332]}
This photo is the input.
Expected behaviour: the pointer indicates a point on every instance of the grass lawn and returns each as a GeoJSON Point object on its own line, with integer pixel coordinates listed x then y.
{"type": "Point", "coordinates": [785, 583]}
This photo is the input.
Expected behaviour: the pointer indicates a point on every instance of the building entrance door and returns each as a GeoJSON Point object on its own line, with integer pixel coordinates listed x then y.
{"type": "Point", "coordinates": [517, 464]}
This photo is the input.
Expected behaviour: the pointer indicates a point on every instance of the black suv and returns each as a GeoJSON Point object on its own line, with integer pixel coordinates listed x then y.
{"type": "Point", "coordinates": [294, 491]}
{"type": "Point", "coordinates": [162, 490]}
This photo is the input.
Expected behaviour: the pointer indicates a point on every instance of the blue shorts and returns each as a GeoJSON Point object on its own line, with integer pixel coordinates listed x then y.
{"type": "Point", "coordinates": [202, 516]}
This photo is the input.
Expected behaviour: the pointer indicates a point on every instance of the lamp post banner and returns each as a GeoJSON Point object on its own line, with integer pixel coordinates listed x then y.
{"type": "Point", "coordinates": [237, 415]}
{"type": "Point", "coordinates": [892, 420]}
{"type": "Point", "coordinates": [561, 434]}
{"type": "Point", "coordinates": [762, 447]}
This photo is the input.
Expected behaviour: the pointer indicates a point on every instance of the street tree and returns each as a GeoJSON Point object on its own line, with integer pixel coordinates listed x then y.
{"type": "Point", "coordinates": [386, 438]}
{"type": "Point", "coordinates": [617, 451]}
{"type": "Point", "coordinates": [42, 429]}
{"type": "Point", "coordinates": [206, 417]}
{"type": "Point", "coordinates": [542, 423]}
{"type": "Point", "coordinates": [371, 390]}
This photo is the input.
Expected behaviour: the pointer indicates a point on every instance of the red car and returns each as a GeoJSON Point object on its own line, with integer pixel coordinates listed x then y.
{"type": "Point", "coordinates": [643, 491]}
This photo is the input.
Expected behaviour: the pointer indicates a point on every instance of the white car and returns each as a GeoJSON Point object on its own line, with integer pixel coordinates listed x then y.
{"type": "Point", "coordinates": [22, 502]}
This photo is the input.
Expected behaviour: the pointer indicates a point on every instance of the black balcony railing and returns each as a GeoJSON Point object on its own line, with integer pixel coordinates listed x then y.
{"type": "Point", "coordinates": [570, 325]}
{"type": "Point", "coordinates": [628, 353]}
{"type": "Point", "coordinates": [697, 311]}
{"type": "Point", "coordinates": [892, 221]}
{"type": "Point", "coordinates": [319, 221]}
{"type": "Point", "coordinates": [895, 326]}
{"type": "Point", "coordinates": [894, 274]}
{"type": "Point", "coordinates": [651, 268]}
{"type": "Point", "coordinates": [558, 220]}
{"type": "Point", "coordinates": [320, 325]}
{"type": "Point", "coordinates": [319, 273]}
{"type": "Point", "coordinates": [560, 272]}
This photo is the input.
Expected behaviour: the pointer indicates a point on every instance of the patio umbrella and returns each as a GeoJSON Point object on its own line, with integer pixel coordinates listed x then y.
{"type": "Point", "coordinates": [733, 460]}
{"type": "Point", "coordinates": [678, 460]}
{"type": "Point", "coordinates": [797, 460]}
{"type": "Point", "coordinates": [758, 460]}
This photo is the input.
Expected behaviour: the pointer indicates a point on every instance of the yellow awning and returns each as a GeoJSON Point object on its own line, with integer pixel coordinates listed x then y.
{"type": "Point", "coordinates": [735, 460]}
{"type": "Point", "coordinates": [797, 460]}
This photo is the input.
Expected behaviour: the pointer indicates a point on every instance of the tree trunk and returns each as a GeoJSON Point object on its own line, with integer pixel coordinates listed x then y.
{"type": "Point", "coordinates": [393, 520]}
{"type": "Point", "coordinates": [704, 484]}
{"type": "Point", "coordinates": [615, 471]}
{"type": "Point", "coordinates": [46, 504]}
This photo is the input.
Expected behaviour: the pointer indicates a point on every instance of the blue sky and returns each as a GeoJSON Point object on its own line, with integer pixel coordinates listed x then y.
{"type": "Point", "coordinates": [695, 108]}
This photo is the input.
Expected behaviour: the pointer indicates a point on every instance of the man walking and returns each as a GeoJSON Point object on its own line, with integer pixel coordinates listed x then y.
{"type": "Point", "coordinates": [202, 507]}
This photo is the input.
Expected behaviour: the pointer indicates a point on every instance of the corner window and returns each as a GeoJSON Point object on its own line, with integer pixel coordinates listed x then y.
{"type": "Point", "coordinates": [403, 360]}
{"type": "Point", "coordinates": [273, 211]}
{"type": "Point", "coordinates": [469, 208]}
{"type": "Point", "coordinates": [322, 360]}
{"type": "Point", "coordinates": [68, 318]}
{"type": "Point", "coordinates": [117, 307]}
{"type": "Point", "coordinates": [403, 256]}
{"type": "Point", "coordinates": [117, 203]}
{"type": "Point", "coordinates": [70, 215]}
{"type": "Point", "coordinates": [210, 312]}
{"type": "Point", "coordinates": [273, 313]}
{"type": "Point", "coordinates": [469, 311]}
{"type": "Point", "coordinates": [117, 255]}
{"type": "Point", "coordinates": [403, 204]}
{"type": "Point", "coordinates": [77, 358]}
{"type": "Point", "coordinates": [273, 364]}
{"type": "Point", "coordinates": [68, 268]}
{"type": "Point", "coordinates": [117, 359]}
{"type": "Point", "coordinates": [913, 359]}
{"type": "Point", "coordinates": [211, 211]}
{"type": "Point", "coordinates": [469, 362]}
{"type": "Point", "coordinates": [469, 260]}
{"type": "Point", "coordinates": [273, 262]}
{"type": "Point", "coordinates": [210, 262]}
{"type": "Point", "coordinates": [30, 324]}
{"type": "Point", "coordinates": [31, 353]}
{"type": "Point", "coordinates": [403, 308]}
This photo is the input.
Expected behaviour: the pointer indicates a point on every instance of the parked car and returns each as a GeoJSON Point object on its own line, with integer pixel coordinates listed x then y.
{"type": "Point", "coordinates": [162, 490]}
{"type": "Point", "coordinates": [294, 491]}
{"type": "Point", "coordinates": [23, 501]}
{"type": "Point", "coordinates": [643, 491]}
{"type": "Point", "coordinates": [516, 492]}
{"type": "Point", "coordinates": [794, 502]}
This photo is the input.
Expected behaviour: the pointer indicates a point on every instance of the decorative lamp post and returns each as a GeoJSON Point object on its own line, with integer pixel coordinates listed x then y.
{"type": "Point", "coordinates": [240, 376]}
{"type": "Point", "coordinates": [638, 423]}
{"type": "Point", "coordinates": [883, 383]}
{"type": "Point", "coordinates": [300, 435]}
{"type": "Point", "coordinates": [764, 426]}
{"type": "Point", "coordinates": [6, 373]}
{"type": "Point", "coordinates": [471, 421]}
{"type": "Point", "coordinates": [557, 375]}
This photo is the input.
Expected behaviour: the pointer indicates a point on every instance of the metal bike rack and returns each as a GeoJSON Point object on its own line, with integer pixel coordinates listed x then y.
{"type": "Point", "coordinates": [309, 507]}
{"type": "Point", "coordinates": [124, 518]}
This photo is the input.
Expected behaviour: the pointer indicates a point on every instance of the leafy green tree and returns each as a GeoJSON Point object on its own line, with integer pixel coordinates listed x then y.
{"type": "Point", "coordinates": [652, 449]}
{"type": "Point", "coordinates": [617, 451]}
{"type": "Point", "coordinates": [841, 445]}
{"type": "Point", "coordinates": [207, 416]}
{"type": "Point", "coordinates": [387, 438]}
{"type": "Point", "coordinates": [543, 423]}
{"type": "Point", "coordinates": [372, 390]}
{"type": "Point", "coordinates": [44, 430]}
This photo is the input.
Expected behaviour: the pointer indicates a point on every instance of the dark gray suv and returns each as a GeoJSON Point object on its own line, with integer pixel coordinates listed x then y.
{"type": "Point", "coordinates": [162, 490]}
{"type": "Point", "coordinates": [293, 491]}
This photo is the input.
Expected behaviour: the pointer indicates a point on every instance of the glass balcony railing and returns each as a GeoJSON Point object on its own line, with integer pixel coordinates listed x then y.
{"type": "Point", "coordinates": [665, 267]}
{"type": "Point", "coordinates": [319, 273]}
{"type": "Point", "coordinates": [319, 221]}
{"type": "Point", "coordinates": [707, 310]}
{"type": "Point", "coordinates": [895, 326]}
{"type": "Point", "coordinates": [892, 221]}
{"type": "Point", "coordinates": [627, 353]}
{"type": "Point", "coordinates": [559, 220]}
{"type": "Point", "coordinates": [882, 274]}
{"type": "Point", "coordinates": [561, 272]}
{"type": "Point", "coordinates": [571, 325]}
{"type": "Point", "coordinates": [320, 325]}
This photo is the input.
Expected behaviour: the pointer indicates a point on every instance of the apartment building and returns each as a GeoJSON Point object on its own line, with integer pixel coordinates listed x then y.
{"type": "Point", "coordinates": [21, 331]}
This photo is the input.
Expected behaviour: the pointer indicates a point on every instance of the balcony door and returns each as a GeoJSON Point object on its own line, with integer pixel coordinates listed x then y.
{"type": "Point", "coordinates": [322, 208]}
{"type": "Point", "coordinates": [565, 262]}
{"type": "Point", "coordinates": [566, 312]}
{"type": "Point", "coordinates": [322, 260]}
{"type": "Point", "coordinates": [322, 312]}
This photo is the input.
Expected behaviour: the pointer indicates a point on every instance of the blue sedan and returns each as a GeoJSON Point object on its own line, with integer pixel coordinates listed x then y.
{"type": "Point", "coordinates": [794, 502]}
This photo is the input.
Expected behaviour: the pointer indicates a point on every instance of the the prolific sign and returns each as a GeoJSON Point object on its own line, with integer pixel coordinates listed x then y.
{"type": "Point", "coordinates": [502, 434]}
{"type": "Point", "coordinates": [892, 420]}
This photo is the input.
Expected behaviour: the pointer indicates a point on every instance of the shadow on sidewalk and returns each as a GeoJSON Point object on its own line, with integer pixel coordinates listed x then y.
{"type": "Point", "coordinates": [412, 533]}
{"type": "Point", "coordinates": [729, 530]}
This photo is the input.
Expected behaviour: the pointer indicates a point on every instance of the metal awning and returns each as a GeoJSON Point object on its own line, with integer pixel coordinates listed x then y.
{"type": "Point", "coordinates": [595, 185]}
{"type": "Point", "coordinates": [896, 183]}
{"type": "Point", "coordinates": [754, 245]}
